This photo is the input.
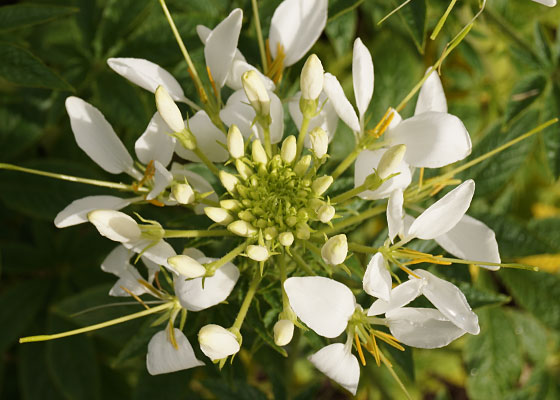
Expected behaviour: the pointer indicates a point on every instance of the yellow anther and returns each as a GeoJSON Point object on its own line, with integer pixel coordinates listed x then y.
{"type": "Point", "coordinates": [359, 347]}
{"type": "Point", "coordinates": [389, 339]}
{"type": "Point", "coordinates": [135, 297]}
{"type": "Point", "coordinates": [374, 350]}
{"type": "Point", "coordinates": [420, 179]}
{"type": "Point", "coordinates": [212, 82]}
{"type": "Point", "coordinates": [171, 335]}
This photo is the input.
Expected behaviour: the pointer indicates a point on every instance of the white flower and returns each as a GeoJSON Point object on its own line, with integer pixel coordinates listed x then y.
{"type": "Point", "coordinates": [335, 249]}
{"type": "Point", "coordinates": [217, 342]}
{"type": "Point", "coordinates": [296, 25]}
{"type": "Point", "coordinates": [338, 363]}
{"type": "Point", "coordinates": [163, 357]}
{"type": "Point", "coordinates": [377, 278]}
{"type": "Point", "coordinates": [283, 332]}
{"type": "Point", "coordinates": [77, 211]}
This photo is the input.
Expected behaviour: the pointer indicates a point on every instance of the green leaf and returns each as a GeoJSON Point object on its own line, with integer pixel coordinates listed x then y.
{"type": "Point", "coordinates": [35, 381]}
{"type": "Point", "coordinates": [537, 292]}
{"type": "Point", "coordinates": [542, 44]}
{"type": "Point", "coordinates": [237, 390]}
{"type": "Point", "coordinates": [22, 68]}
{"type": "Point", "coordinates": [479, 298]}
{"type": "Point", "coordinates": [341, 32]}
{"type": "Point", "coordinates": [551, 135]}
{"type": "Point", "coordinates": [493, 357]}
{"type": "Point", "coordinates": [16, 134]}
{"type": "Point", "coordinates": [524, 93]}
{"type": "Point", "coordinates": [532, 335]}
{"type": "Point", "coordinates": [414, 17]}
{"type": "Point", "coordinates": [19, 305]}
{"type": "Point", "coordinates": [172, 386]}
{"type": "Point", "coordinates": [20, 15]}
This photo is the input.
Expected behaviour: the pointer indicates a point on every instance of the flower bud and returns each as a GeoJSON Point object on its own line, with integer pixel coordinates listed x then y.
{"type": "Point", "coordinates": [303, 231]}
{"type": "Point", "coordinates": [321, 184]}
{"type": "Point", "coordinates": [258, 153]}
{"type": "Point", "coordinates": [217, 342]}
{"type": "Point", "coordinates": [302, 165]}
{"type": "Point", "coordinates": [230, 205]}
{"type": "Point", "coordinates": [256, 92]}
{"type": "Point", "coordinates": [390, 160]}
{"type": "Point", "coordinates": [334, 251]}
{"type": "Point", "coordinates": [315, 204]}
{"type": "Point", "coordinates": [326, 213]}
{"type": "Point", "coordinates": [270, 233]}
{"type": "Point", "coordinates": [183, 193]}
{"type": "Point", "coordinates": [244, 170]}
{"type": "Point", "coordinates": [286, 238]}
{"type": "Point", "coordinates": [186, 266]}
{"type": "Point", "coordinates": [115, 225]}
{"type": "Point", "coordinates": [319, 142]}
{"type": "Point", "coordinates": [218, 215]}
{"type": "Point", "coordinates": [289, 148]}
{"type": "Point", "coordinates": [228, 181]}
{"type": "Point", "coordinates": [169, 110]}
{"type": "Point", "coordinates": [246, 215]}
{"type": "Point", "coordinates": [311, 79]}
{"type": "Point", "coordinates": [235, 144]}
{"type": "Point", "coordinates": [242, 228]}
{"type": "Point", "coordinates": [257, 253]}
{"type": "Point", "coordinates": [283, 332]}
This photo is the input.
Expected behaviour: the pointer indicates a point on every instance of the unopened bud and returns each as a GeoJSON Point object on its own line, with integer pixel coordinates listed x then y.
{"type": "Point", "coordinates": [303, 231]}
{"type": "Point", "coordinates": [256, 92]}
{"type": "Point", "coordinates": [183, 193]}
{"type": "Point", "coordinates": [244, 170]}
{"type": "Point", "coordinates": [270, 233]}
{"type": "Point", "coordinates": [242, 228]}
{"type": "Point", "coordinates": [258, 153]}
{"type": "Point", "coordinates": [235, 144]}
{"type": "Point", "coordinates": [302, 165]}
{"type": "Point", "coordinates": [228, 181]}
{"type": "Point", "coordinates": [311, 79]}
{"type": "Point", "coordinates": [289, 148]}
{"type": "Point", "coordinates": [319, 141]}
{"type": "Point", "coordinates": [257, 253]}
{"type": "Point", "coordinates": [321, 184]}
{"type": "Point", "coordinates": [315, 204]}
{"type": "Point", "coordinates": [326, 213]}
{"type": "Point", "coordinates": [186, 266]}
{"type": "Point", "coordinates": [283, 332]}
{"type": "Point", "coordinates": [115, 225]}
{"type": "Point", "coordinates": [334, 251]}
{"type": "Point", "coordinates": [217, 342]}
{"type": "Point", "coordinates": [218, 215]}
{"type": "Point", "coordinates": [286, 238]}
{"type": "Point", "coordinates": [230, 205]}
{"type": "Point", "coordinates": [169, 110]}
{"type": "Point", "coordinates": [390, 160]}
{"type": "Point", "coordinates": [246, 215]}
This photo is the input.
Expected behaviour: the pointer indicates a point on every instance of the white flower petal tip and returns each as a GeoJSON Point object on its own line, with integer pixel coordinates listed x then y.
{"type": "Point", "coordinates": [444, 214]}
{"type": "Point", "coordinates": [169, 110]}
{"type": "Point", "coordinates": [323, 304]}
{"type": "Point", "coordinates": [424, 328]}
{"type": "Point", "coordinates": [217, 288]}
{"type": "Point", "coordinates": [217, 342]}
{"type": "Point", "coordinates": [257, 253]}
{"type": "Point", "coordinates": [338, 364]}
{"type": "Point", "coordinates": [76, 212]}
{"type": "Point", "coordinates": [395, 214]}
{"type": "Point", "coordinates": [400, 296]}
{"type": "Point", "coordinates": [311, 80]}
{"type": "Point", "coordinates": [147, 75]}
{"type": "Point", "coordinates": [433, 139]}
{"type": "Point", "coordinates": [377, 278]}
{"type": "Point", "coordinates": [208, 138]}
{"type": "Point", "coordinates": [283, 332]}
{"type": "Point", "coordinates": [96, 137]}
{"type": "Point", "coordinates": [342, 106]}
{"type": "Point", "coordinates": [431, 97]}
{"type": "Point", "coordinates": [155, 143]}
{"type": "Point", "coordinates": [164, 358]}
{"type": "Point", "coordinates": [221, 46]}
{"type": "Point", "coordinates": [115, 225]}
{"type": "Point", "coordinates": [450, 301]}
{"type": "Point", "coordinates": [117, 263]}
{"type": "Point", "coordinates": [186, 266]}
{"type": "Point", "coordinates": [362, 75]}
{"type": "Point", "coordinates": [548, 3]}
{"type": "Point", "coordinates": [471, 239]}
{"type": "Point", "coordinates": [295, 26]}
{"type": "Point", "coordinates": [335, 249]}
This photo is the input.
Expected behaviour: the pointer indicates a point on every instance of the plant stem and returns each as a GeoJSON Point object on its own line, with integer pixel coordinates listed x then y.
{"type": "Point", "coordinates": [360, 248]}
{"type": "Point", "coordinates": [259, 35]}
{"type": "Point", "coordinates": [352, 220]}
{"type": "Point", "coordinates": [301, 136]}
{"type": "Point", "coordinates": [206, 161]}
{"type": "Point", "coordinates": [172, 233]}
{"type": "Point", "coordinates": [213, 266]}
{"type": "Point", "coordinates": [246, 302]}
{"type": "Point", "coordinates": [442, 20]}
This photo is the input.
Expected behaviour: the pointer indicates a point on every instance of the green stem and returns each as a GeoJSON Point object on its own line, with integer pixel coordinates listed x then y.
{"type": "Point", "coordinates": [299, 261]}
{"type": "Point", "coordinates": [246, 302]}
{"type": "Point", "coordinates": [442, 20]}
{"type": "Point", "coordinates": [267, 145]}
{"type": "Point", "coordinates": [70, 178]}
{"type": "Point", "coordinates": [259, 35]}
{"type": "Point", "coordinates": [153, 310]}
{"type": "Point", "coordinates": [214, 266]}
{"type": "Point", "coordinates": [172, 233]}
{"type": "Point", "coordinates": [347, 162]}
{"type": "Point", "coordinates": [283, 277]}
{"type": "Point", "coordinates": [206, 161]}
{"type": "Point", "coordinates": [360, 248]}
{"type": "Point", "coordinates": [355, 219]}
{"type": "Point", "coordinates": [301, 136]}
{"type": "Point", "coordinates": [349, 194]}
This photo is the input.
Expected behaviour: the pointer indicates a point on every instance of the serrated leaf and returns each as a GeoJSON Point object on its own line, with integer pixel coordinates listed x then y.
{"type": "Point", "coordinates": [20, 15]}
{"type": "Point", "coordinates": [524, 93]}
{"type": "Point", "coordinates": [22, 68]}
{"type": "Point", "coordinates": [493, 357]}
{"type": "Point", "coordinates": [414, 17]}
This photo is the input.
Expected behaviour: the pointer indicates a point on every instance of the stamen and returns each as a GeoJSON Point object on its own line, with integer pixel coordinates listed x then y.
{"type": "Point", "coordinates": [135, 297]}
{"type": "Point", "coordinates": [420, 179]}
{"type": "Point", "coordinates": [374, 350]}
{"type": "Point", "coordinates": [436, 190]}
{"type": "Point", "coordinates": [156, 203]}
{"type": "Point", "coordinates": [171, 335]}
{"type": "Point", "coordinates": [389, 339]}
{"type": "Point", "coordinates": [359, 347]}
{"type": "Point", "coordinates": [216, 92]}
{"type": "Point", "coordinates": [153, 290]}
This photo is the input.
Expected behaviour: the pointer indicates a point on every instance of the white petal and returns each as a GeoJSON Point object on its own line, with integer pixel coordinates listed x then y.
{"type": "Point", "coordinates": [327, 119]}
{"type": "Point", "coordinates": [296, 25]}
{"type": "Point", "coordinates": [152, 268]}
{"type": "Point", "coordinates": [198, 183]}
{"type": "Point", "coordinates": [155, 144]}
{"type": "Point", "coordinates": [116, 260]}
{"type": "Point", "coordinates": [115, 225]}
{"type": "Point", "coordinates": [238, 68]}
{"type": "Point", "coordinates": [76, 212]}
{"type": "Point", "coordinates": [362, 76]}
{"type": "Point", "coordinates": [277, 115]}
{"type": "Point", "coordinates": [450, 301]}
{"type": "Point", "coordinates": [194, 253]}
{"type": "Point", "coordinates": [163, 358]}
{"type": "Point", "coordinates": [128, 280]}
{"type": "Point", "coordinates": [217, 288]}
{"type": "Point", "coordinates": [323, 304]}
{"type": "Point", "coordinates": [162, 179]}
{"type": "Point", "coordinates": [431, 97]}
{"type": "Point", "coordinates": [147, 75]}
{"type": "Point", "coordinates": [548, 3]}
{"type": "Point", "coordinates": [203, 32]}
{"type": "Point", "coordinates": [444, 214]}
{"type": "Point", "coordinates": [425, 328]}
{"type": "Point", "coordinates": [343, 108]}
{"type": "Point", "coordinates": [216, 342]}
{"type": "Point", "coordinates": [221, 46]}
{"type": "Point", "coordinates": [338, 364]}
{"type": "Point", "coordinates": [207, 137]}
{"type": "Point", "coordinates": [395, 214]}
{"type": "Point", "coordinates": [366, 162]}
{"type": "Point", "coordinates": [432, 139]}
{"type": "Point", "coordinates": [157, 253]}
{"type": "Point", "coordinates": [400, 296]}
{"type": "Point", "coordinates": [96, 137]}
{"type": "Point", "coordinates": [377, 278]}
{"type": "Point", "coordinates": [471, 239]}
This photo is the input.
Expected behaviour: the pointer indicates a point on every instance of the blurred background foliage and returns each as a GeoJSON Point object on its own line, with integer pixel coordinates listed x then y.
{"type": "Point", "coordinates": [502, 80]}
